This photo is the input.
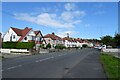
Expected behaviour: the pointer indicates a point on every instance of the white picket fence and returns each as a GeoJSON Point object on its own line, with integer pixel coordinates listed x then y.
{"type": "Point", "coordinates": [14, 51]}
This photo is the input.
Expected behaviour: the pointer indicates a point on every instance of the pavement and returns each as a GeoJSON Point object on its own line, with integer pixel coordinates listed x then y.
{"type": "Point", "coordinates": [82, 63]}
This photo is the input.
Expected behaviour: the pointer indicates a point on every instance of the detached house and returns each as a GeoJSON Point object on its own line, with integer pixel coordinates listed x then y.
{"type": "Point", "coordinates": [23, 35]}
{"type": "Point", "coordinates": [53, 39]}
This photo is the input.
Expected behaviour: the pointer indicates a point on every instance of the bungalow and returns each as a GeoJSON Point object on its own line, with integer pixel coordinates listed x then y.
{"type": "Point", "coordinates": [53, 39]}
{"type": "Point", "coordinates": [23, 35]}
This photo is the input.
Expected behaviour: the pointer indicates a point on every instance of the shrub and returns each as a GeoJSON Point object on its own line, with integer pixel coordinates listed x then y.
{"type": "Point", "coordinates": [48, 45]}
{"type": "Point", "coordinates": [10, 45]}
{"type": "Point", "coordinates": [25, 45]}
{"type": "Point", "coordinates": [84, 45]}
{"type": "Point", "coordinates": [18, 45]}
{"type": "Point", "coordinates": [60, 47]}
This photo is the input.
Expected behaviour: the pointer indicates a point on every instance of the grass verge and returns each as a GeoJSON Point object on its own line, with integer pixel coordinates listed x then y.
{"type": "Point", "coordinates": [111, 66]}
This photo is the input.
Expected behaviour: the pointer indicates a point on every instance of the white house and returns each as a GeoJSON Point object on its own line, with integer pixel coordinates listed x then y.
{"type": "Point", "coordinates": [53, 39]}
{"type": "Point", "coordinates": [23, 35]}
{"type": "Point", "coordinates": [72, 42]}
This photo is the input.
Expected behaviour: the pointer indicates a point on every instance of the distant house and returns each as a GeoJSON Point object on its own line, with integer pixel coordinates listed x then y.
{"type": "Point", "coordinates": [23, 35]}
{"type": "Point", "coordinates": [0, 40]}
{"type": "Point", "coordinates": [53, 39]}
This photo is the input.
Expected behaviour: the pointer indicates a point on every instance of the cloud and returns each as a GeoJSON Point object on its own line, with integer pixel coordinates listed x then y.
{"type": "Point", "coordinates": [66, 19]}
{"type": "Point", "coordinates": [64, 33]}
{"type": "Point", "coordinates": [69, 6]}
{"type": "Point", "coordinates": [69, 16]}
{"type": "Point", "coordinates": [44, 19]}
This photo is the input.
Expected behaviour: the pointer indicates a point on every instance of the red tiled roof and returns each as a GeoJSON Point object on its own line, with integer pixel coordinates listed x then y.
{"type": "Point", "coordinates": [52, 36]}
{"type": "Point", "coordinates": [21, 32]}
{"type": "Point", "coordinates": [66, 38]}
{"type": "Point", "coordinates": [24, 32]}
{"type": "Point", "coordinates": [17, 31]}
{"type": "Point", "coordinates": [79, 40]}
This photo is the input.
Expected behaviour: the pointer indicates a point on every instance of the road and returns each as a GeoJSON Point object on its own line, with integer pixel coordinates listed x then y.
{"type": "Point", "coordinates": [82, 63]}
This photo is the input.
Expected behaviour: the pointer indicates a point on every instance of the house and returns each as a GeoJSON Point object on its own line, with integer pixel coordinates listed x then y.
{"type": "Point", "coordinates": [23, 35]}
{"type": "Point", "coordinates": [0, 40]}
{"type": "Point", "coordinates": [39, 39]}
{"type": "Point", "coordinates": [79, 42]}
{"type": "Point", "coordinates": [53, 39]}
{"type": "Point", "coordinates": [70, 42]}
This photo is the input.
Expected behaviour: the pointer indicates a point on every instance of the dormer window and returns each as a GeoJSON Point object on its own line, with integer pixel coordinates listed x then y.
{"type": "Point", "coordinates": [25, 38]}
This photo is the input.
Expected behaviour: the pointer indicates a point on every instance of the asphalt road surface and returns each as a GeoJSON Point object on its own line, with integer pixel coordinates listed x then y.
{"type": "Point", "coordinates": [82, 63]}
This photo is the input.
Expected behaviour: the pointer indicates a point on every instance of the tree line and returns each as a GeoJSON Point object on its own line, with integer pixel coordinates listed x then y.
{"type": "Point", "coordinates": [111, 41]}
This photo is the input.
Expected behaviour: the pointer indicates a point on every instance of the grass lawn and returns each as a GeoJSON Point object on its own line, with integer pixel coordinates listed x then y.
{"type": "Point", "coordinates": [111, 66]}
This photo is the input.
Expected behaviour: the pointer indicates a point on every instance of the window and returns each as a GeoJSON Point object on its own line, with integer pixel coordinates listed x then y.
{"type": "Point", "coordinates": [25, 38]}
{"type": "Point", "coordinates": [13, 36]}
{"type": "Point", "coordinates": [33, 37]}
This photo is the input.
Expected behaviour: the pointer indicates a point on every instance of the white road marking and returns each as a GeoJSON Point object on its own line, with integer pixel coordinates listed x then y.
{"type": "Point", "coordinates": [13, 67]}
{"type": "Point", "coordinates": [44, 59]}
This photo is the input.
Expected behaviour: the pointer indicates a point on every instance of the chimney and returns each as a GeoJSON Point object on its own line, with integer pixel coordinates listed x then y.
{"type": "Point", "coordinates": [53, 33]}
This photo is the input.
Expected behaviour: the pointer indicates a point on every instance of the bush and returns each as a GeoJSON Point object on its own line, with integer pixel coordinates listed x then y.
{"type": "Point", "coordinates": [10, 45]}
{"type": "Point", "coordinates": [18, 45]}
{"type": "Point", "coordinates": [60, 47]}
{"type": "Point", "coordinates": [25, 45]}
{"type": "Point", "coordinates": [48, 45]}
{"type": "Point", "coordinates": [84, 45]}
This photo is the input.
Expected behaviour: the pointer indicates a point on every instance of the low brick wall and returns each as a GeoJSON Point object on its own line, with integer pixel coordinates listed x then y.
{"type": "Point", "coordinates": [111, 50]}
{"type": "Point", "coordinates": [14, 51]}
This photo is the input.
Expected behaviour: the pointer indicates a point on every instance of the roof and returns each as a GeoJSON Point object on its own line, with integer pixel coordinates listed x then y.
{"type": "Point", "coordinates": [79, 40]}
{"type": "Point", "coordinates": [67, 38]}
{"type": "Point", "coordinates": [72, 39]}
{"type": "Point", "coordinates": [53, 36]}
{"type": "Point", "coordinates": [36, 32]}
{"type": "Point", "coordinates": [21, 32]}
{"type": "Point", "coordinates": [17, 31]}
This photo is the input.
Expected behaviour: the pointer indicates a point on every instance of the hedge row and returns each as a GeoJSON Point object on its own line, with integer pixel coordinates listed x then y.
{"type": "Point", "coordinates": [18, 45]}
{"type": "Point", "coordinates": [60, 47]}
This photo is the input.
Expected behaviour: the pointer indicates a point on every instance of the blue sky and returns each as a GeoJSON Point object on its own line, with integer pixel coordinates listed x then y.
{"type": "Point", "coordinates": [79, 19]}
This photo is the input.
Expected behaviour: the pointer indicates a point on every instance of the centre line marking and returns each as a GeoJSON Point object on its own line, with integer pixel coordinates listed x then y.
{"type": "Point", "coordinates": [44, 59]}
{"type": "Point", "coordinates": [13, 67]}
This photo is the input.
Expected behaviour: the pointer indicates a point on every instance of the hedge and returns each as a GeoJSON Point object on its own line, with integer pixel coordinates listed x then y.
{"type": "Point", "coordinates": [48, 45]}
{"type": "Point", "coordinates": [18, 45]}
{"type": "Point", "coordinates": [60, 47]}
{"type": "Point", "coordinates": [84, 45]}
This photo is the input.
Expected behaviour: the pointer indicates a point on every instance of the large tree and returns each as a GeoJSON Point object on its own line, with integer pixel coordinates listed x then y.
{"type": "Point", "coordinates": [117, 39]}
{"type": "Point", "coordinates": [106, 40]}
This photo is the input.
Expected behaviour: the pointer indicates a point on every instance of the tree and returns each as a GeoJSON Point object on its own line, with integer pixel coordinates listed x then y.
{"type": "Point", "coordinates": [106, 40]}
{"type": "Point", "coordinates": [117, 39]}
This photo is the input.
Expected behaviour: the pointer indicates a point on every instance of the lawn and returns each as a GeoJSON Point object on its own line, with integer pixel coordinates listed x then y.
{"type": "Point", "coordinates": [111, 66]}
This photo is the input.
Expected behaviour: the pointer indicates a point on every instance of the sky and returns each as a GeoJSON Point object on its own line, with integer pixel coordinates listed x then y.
{"type": "Point", "coordinates": [79, 19]}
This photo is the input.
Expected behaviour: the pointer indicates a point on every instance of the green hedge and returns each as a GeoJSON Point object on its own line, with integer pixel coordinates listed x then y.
{"type": "Point", "coordinates": [48, 46]}
{"type": "Point", "coordinates": [18, 45]}
{"type": "Point", "coordinates": [10, 45]}
{"type": "Point", "coordinates": [60, 47]}
{"type": "Point", "coordinates": [84, 45]}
